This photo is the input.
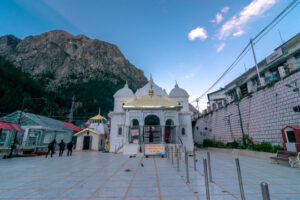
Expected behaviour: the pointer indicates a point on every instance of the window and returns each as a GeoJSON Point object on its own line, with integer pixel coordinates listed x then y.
{"type": "Point", "coordinates": [120, 131]}
{"type": "Point", "coordinates": [291, 136]}
{"type": "Point", "coordinates": [182, 131]}
{"type": "Point", "coordinates": [197, 128]}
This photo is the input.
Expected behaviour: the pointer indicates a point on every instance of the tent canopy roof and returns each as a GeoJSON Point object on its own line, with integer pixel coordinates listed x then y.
{"type": "Point", "coordinates": [30, 119]}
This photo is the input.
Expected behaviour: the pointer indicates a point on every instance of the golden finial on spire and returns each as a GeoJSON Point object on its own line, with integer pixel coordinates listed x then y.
{"type": "Point", "coordinates": [151, 92]}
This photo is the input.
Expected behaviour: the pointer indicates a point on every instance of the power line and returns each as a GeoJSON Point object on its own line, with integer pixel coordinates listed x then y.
{"type": "Point", "coordinates": [258, 37]}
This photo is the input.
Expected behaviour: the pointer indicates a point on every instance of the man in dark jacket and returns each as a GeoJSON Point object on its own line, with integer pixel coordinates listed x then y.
{"type": "Point", "coordinates": [70, 148]}
{"type": "Point", "coordinates": [62, 146]}
{"type": "Point", "coordinates": [51, 147]}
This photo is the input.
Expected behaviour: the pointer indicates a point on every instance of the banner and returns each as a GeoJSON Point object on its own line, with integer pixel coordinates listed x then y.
{"type": "Point", "coordinates": [274, 56]}
{"type": "Point", "coordinates": [154, 149]}
{"type": "Point", "coordinates": [134, 132]}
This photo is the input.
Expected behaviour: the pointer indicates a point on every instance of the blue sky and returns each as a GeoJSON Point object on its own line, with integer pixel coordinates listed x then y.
{"type": "Point", "coordinates": [191, 41]}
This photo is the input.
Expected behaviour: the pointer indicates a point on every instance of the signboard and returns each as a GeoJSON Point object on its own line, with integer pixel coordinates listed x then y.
{"type": "Point", "coordinates": [274, 56]}
{"type": "Point", "coordinates": [134, 132]}
{"type": "Point", "coordinates": [217, 95]}
{"type": "Point", "coordinates": [154, 149]}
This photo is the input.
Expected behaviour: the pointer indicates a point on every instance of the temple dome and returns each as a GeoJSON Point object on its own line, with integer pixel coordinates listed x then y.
{"type": "Point", "coordinates": [158, 91]}
{"type": "Point", "coordinates": [124, 92]}
{"type": "Point", "coordinates": [178, 92]}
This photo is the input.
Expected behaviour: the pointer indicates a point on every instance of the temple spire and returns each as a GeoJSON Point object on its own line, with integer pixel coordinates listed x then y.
{"type": "Point", "coordinates": [151, 92]}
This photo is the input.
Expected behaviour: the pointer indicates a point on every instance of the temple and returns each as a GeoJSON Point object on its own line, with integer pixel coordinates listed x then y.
{"type": "Point", "coordinates": [150, 119]}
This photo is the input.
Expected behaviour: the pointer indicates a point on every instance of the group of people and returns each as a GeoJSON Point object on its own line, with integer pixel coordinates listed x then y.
{"type": "Point", "coordinates": [61, 145]}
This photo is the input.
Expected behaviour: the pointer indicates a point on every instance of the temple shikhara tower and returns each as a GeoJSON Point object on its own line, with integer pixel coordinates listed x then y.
{"type": "Point", "coordinates": [150, 120]}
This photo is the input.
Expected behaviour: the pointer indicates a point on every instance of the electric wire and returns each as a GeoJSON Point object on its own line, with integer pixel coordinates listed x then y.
{"type": "Point", "coordinates": [256, 39]}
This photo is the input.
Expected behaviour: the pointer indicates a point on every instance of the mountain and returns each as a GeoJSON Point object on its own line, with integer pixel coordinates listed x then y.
{"type": "Point", "coordinates": [67, 65]}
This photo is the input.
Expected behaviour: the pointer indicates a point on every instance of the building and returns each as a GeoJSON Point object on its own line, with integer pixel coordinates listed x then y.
{"type": "Point", "coordinates": [216, 99]}
{"type": "Point", "coordinates": [37, 131]}
{"type": "Point", "coordinates": [95, 136]}
{"type": "Point", "coordinates": [148, 117]}
{"type": "Point", "coordinates": [283, 61]}
{"type": "Point", "coordinates": [257, 109]}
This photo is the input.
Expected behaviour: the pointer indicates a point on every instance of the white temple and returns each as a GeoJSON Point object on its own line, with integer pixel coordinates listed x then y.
{"type": "Point", "coordinates": [150, 118]}
{"type": "Point", "coordinates": [94, 137]}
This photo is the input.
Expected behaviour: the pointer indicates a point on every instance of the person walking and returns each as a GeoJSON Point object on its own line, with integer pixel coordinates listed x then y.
{"type": "Point", "coordinates": [62, 146]}
{"type": "Point", "coordinates": [70, 148]}
{"type": "Point", "coordinates": [51, 147]}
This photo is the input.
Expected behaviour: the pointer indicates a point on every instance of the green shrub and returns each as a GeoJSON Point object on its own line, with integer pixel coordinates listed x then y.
{"type": "Point", "coordinates": [220, 144]}
{"type": "Point", "coordinates": [275, 148]}
{"type": "Point", "coordinates": [264, 146]}
{"type": "Point", "coordinates": [233, 144]}
{"type": "Point", "coordinates": [208, 143]}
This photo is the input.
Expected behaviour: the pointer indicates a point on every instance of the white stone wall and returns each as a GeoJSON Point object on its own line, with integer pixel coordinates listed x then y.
{"type": "Point", "coordinates": [117, 120]}
{"type": "Point", "coordinates": [263, 116]}
{"type": "Point", "coordinates": [186, 123]}
{"type": "Point", "coordinates": [184, 101]}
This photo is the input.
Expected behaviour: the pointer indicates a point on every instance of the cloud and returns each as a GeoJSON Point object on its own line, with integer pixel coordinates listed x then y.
{"type": "Point", "coordinates": [225, 9]}
{"type": "Point", "coordinates": [238, 33]}
{"type": "Point", "coordinates": [190, 75]}
{"type": "Point", "coordinates": [221, 47]}
{"type": "Point", "coordinates": [219, 18]}
{"type": "Point", "coordinates": [198, 32]}
{"type": "Point", "coordinates": [236, 24]}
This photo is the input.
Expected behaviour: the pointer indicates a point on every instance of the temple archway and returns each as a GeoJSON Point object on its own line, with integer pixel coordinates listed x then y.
{"type": "Point", "coordinates": [152, 120]}
{"type": "Point", "coordinates": [170, 136]}
{"type": "Point", "coordinates": [134, 135]}
{"type": "Point", "coordinates": [152, 130]}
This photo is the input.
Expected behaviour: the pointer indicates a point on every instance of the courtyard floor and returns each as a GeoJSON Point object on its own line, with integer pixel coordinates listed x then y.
{"type": "Point", "coordinates": [93, 175]}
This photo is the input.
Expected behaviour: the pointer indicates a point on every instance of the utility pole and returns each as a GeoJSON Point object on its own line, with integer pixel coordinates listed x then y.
{"type": "Point", "coordinates": [228, 120]}
{"type": "Point", "coordinates": [72, 110]}
{"type": "Point", "coordinates": [254, 56]}
{"type": "Point", "coordinates": [13, 146]}
{"type": "Point", "coordinates": [241, 124]}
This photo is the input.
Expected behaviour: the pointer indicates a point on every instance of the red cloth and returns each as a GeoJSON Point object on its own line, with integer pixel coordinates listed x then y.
{"type": "Point", "coordinates": [166, 134]}
{"type": "Point", "coordinates": [10, 126]}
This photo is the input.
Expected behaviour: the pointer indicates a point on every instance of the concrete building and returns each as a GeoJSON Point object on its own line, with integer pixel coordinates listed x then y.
{"type": "Point", "coordinates": [150, 118]}
{"type": "Point", "coordinates": [261, 109]}
{"type": "Point", "coordinates": [284, 60]}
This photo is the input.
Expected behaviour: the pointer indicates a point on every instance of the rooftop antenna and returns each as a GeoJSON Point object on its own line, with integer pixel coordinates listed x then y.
{"type": "Point", "coordinates": [282, 41]}
{"type": "Point", "coordinates": [245, 67]}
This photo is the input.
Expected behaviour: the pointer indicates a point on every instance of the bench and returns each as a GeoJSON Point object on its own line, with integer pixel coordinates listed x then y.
{"type": "Point", "coordinates": [284, 155]}
{"type": "Point", "coordinates": [295, 161]}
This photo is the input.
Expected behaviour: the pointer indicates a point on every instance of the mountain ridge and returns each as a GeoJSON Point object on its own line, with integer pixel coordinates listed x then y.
{"type": "Point", "coordinates": [63, 63]}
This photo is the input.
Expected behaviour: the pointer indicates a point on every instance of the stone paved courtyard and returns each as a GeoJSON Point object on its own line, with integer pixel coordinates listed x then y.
{"type": "Point", "coordinates": [93, 175]}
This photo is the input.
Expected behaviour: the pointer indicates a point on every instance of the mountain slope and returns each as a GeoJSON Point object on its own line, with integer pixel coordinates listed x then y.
{"type": "Point", "coordinates": [89, 69]}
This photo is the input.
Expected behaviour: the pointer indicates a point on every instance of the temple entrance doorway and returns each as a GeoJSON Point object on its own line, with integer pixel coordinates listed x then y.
{"type": "Point", "coordinates": [152, 130]}
{"type": "Point", "coordinates": [170, 136]}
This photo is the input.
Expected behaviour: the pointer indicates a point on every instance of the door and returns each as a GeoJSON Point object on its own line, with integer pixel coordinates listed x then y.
{"type": "Point", "coordinates": [86, 142]}
{"type": "Point", "coordinates": [290, 140]}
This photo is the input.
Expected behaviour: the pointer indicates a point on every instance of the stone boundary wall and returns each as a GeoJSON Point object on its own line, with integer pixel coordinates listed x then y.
{"type": "Point", "coordinates": [264, 114]}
